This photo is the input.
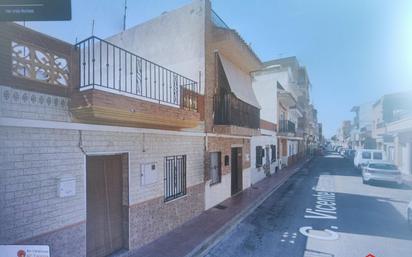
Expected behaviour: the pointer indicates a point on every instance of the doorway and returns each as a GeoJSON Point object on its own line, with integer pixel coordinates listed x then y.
{"type": "Point", "coordinates": [236, 170]}
{"type": "Point", "coordinates": [104, 233]}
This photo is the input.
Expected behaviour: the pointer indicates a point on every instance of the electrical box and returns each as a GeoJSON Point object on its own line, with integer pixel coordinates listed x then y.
{"type": "Point", "coordinates": [66, 186]}
{"type": "Point", "coordinates": [148, 174]}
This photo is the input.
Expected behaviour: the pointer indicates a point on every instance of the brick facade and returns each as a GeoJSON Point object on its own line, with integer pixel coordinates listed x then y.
{"type": "Point", "coordinates": [224, 145]}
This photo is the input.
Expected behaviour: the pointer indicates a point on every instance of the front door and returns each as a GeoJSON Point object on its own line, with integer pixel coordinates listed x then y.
{"type": "Point", "coordinates": [104, 233]}
{"type": "Point", "coordinates": [236, 170]}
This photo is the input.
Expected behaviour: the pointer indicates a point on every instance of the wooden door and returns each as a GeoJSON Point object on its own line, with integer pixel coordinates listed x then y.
{"type": "Point", "coordinates": [236, 170]}
{"type": "Point", "coordinates": [104, 233]}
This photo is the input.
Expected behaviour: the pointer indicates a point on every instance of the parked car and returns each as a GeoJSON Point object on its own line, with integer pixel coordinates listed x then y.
{"type": "Point", "coordinates": [337, 149]}
{"type": "Point", "coordinates": [410, 215]}
{"type": "Point", "coordinates": [350, 154]}
{"type": "Point", "coordinates": [365, 156]}
{"type": "Point", "coordinates": [381, 171]}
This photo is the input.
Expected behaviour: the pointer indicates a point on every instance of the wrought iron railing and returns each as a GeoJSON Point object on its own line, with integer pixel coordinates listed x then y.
{"type": "Point", "coordinates": [108, 67]}
{"type": "Point", "coordinates": [286, 126]}
{"type": "Point", "coordinates": [229, 110]}
{"type": "Point", "coordinates": [175, 177]}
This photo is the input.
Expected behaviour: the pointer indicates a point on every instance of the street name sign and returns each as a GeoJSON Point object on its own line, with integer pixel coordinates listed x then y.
{"type": "Point", "coordinates": [35, 10]}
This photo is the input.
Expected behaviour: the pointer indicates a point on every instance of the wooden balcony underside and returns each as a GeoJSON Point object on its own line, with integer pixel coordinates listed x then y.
{"type": "Point", "coordinates": [99, 107]}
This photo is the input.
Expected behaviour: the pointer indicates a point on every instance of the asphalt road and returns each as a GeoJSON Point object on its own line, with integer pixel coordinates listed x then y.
{"type": "Point", "coordinates": [323, 211]}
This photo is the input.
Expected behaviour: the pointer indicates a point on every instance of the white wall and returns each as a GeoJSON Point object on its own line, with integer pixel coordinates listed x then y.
{"type": "Point", "coordinates": [175, 40]}
{"type": "Point", "coordinates": [265, 88]}
{"type": "Point", "coordinates": [292, 147]}
{"type": "Point", "coordinates": [257, 174]}
{"type": "Point", "coordinates": [405, 152]}
{"type": "Point", "coordinates": [365, 115]}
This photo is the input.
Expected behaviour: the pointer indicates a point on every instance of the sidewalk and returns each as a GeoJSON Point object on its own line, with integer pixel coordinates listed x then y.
{"type": "Point", "coordinates": [199, 234]}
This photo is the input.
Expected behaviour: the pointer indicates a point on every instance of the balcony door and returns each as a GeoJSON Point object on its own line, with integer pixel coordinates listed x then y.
{"type": "Point", "coordinates": [236, 170]}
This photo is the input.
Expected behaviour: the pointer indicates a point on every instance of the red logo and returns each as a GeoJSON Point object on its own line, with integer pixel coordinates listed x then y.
{"type": "Point", "coordinates": [370, 255]}
{"type": "Point", "coordinates": [21, 253]}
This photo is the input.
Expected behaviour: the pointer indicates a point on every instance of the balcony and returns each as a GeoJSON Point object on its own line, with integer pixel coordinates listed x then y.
{"type": "Point", "coordinates": [118, 87]}
{"type": "Point", "coordinates": [287, 127]}
{"type": "Point", "coordinates": [229, 110]}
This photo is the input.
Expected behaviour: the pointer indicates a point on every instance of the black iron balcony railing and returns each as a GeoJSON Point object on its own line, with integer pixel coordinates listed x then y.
{"type": "Point", "coordinates": [286, 126]}
{"type": "Point", "coordinates": [107, 67]}
{"type": "Point", "coordinates": [229, 110]}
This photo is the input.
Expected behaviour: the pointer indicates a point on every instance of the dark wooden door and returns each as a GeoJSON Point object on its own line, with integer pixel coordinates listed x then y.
{"type": "Point", "coordinates": [236, 170]}
{"type": "Point", "coordinates": [104, 233]}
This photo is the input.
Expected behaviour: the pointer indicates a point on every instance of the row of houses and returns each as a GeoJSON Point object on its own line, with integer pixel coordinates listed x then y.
{"type": "Point", "coordinates": [385, 124]}
{"type": "Point", "coordinates": [110, 143]}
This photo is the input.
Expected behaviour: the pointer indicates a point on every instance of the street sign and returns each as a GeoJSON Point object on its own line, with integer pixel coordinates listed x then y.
{"type": "Point", "coordinates": [35, 10]}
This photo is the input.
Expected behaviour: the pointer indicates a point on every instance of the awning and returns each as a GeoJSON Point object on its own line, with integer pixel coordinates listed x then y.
{"type": "Point", "coordinates": [240, 82]}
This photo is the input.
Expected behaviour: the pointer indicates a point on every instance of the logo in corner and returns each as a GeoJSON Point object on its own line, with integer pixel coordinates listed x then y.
{"type": "Point", "coordinates": [21, 253]}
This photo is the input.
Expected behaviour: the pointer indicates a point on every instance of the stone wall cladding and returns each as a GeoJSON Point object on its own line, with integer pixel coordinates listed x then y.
{"type": "Point", "coordinates": [33, 158]}
{"type": "Point", "coordinates": [23, 104]}
{"type": "Point", "coordinates": [153, 218]}
{"type": "Point", "coordinates": [67, 242]}
{"type": "Point", "coordinates": [149, 148]}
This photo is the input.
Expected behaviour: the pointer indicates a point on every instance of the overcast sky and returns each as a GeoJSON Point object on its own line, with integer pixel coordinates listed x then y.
{"type": "Point", "coordinates": [354, 50]}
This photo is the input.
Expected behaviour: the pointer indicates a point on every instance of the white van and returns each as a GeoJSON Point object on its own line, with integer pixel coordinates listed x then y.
{"type": "Point", "coordinates": [365, 156]}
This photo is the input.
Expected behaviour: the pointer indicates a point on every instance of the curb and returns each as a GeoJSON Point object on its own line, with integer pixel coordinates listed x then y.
{"type": "Point", "coordinates": [203, 248]}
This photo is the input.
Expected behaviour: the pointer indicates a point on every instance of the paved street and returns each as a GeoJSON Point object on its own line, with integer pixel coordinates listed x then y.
{"type": "Point", "coordinates": [325, 211]}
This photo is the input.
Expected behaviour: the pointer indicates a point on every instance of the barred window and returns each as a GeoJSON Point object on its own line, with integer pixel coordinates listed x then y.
{"type": "Point", "coordinates": [215, 167]}
{"type": "Point", "coordinates": [260, 153]}
{"type": "Point", "coordinates": [175, 177]}
{"type": "Point", "coordinates": [273, 149]}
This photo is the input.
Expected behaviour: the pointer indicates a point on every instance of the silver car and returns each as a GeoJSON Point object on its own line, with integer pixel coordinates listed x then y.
{"type": "Point", "coordinates": [381, 171]}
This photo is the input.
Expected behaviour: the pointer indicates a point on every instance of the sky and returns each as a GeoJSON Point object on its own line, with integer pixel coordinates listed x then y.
{"type": "Point", "coordinates": [355, 51]}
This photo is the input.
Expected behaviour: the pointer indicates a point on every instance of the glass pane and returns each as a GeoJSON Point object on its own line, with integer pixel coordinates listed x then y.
{"type": "Point", "coordinates": [377, 156]}
{"type": "Point", "coordinates": [366, 155]}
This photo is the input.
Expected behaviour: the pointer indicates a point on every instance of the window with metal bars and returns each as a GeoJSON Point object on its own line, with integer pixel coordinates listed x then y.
{"type": "Point", "coordinates": [260, 153]}
{"type": "Point", "coordinates": [215, 168]}
{"type": "Point", "coordinates": [175, 177]}
{"type": "Point", "coordinates": [273, 149]}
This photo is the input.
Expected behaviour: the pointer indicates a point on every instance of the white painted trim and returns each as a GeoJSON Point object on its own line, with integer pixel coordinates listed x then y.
{"type": "Point", "coordinates": [290, 138]}
{"type": "Point", "coordinates": [13, 122]}
{"type": "Point", "coordinates": [265, 132]}
{"type": "Point", "coordinates": [85, 186]}
{"type": "Point", "coordinates": [236, 145]}
{"type": "Point", "coordinates": [224, 135]}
